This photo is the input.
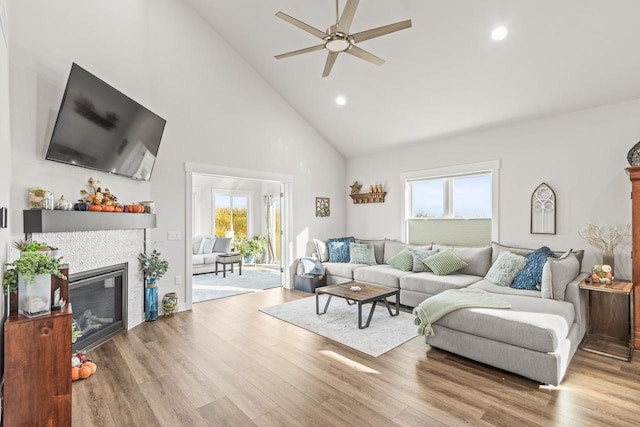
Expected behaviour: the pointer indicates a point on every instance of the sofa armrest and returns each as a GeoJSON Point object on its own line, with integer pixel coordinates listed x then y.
{"type": "Point", "coordinates": [576, 296]}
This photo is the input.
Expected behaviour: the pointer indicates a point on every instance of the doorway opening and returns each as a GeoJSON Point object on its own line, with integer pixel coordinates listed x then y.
{"type": "Point", "coordinates": [236, 226]}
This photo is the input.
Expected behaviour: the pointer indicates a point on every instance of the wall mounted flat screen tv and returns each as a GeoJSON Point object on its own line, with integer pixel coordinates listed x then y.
{"type": "Point", "coordinates": [99, 127]}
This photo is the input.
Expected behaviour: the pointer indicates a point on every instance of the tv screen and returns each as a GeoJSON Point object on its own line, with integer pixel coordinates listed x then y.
{"type": "Point", "coordinates": [99, 127]}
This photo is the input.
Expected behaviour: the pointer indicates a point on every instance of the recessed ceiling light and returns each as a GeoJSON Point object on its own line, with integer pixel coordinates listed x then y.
{"type": "Point", "coordinates": [499, 33]}
{"type": "Point", "coordinates": [341, 100]}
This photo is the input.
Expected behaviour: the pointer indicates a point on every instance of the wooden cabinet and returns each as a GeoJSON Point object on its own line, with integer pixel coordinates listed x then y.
{"type": "Point", "coordinates": [37, 369]}
{"type": "Point", "coordinates": [634, 175]}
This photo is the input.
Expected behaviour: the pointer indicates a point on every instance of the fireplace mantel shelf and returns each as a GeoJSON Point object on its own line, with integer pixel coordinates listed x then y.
{"type": "Point", "coordinates": [52, 221]}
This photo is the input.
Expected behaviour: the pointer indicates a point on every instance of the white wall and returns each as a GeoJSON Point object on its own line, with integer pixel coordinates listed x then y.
{"type": "Point", "coordinates": [581, 155]}
{"type": "Point", "coordinates": [218, 111]}
{"type": "Point", "coordinates": [5, 169]}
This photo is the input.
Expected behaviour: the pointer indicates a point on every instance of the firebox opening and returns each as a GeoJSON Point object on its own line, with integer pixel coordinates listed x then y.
{"type": "Point", "coordinates": [99, 304]}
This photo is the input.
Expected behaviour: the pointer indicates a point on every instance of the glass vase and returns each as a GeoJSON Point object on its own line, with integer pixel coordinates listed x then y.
{"type": "Point", "coordinates": [34, 299]}
{"type": "Point", "coordinates": [608, 259]}
{"type": "Point", "coordinates": [151, 301]}
{"type": "Point", "coordinates": [170, 304]}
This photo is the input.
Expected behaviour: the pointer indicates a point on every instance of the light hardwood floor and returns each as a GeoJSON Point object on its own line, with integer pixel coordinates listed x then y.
{"type": "Point", "coordinates": [226, 364]}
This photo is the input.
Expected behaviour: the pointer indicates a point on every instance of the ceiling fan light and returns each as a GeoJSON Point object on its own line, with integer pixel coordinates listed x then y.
{"type": "Point", "coordinates": [499, 33]}
{"type": "Point", "coordinates": [337, 44]}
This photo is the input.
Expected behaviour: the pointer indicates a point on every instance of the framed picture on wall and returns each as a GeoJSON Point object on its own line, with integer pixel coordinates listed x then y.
{"type": "Point", "coordinates": [322, 207]}
{"type": "Point", "coordinates": [3, 22]}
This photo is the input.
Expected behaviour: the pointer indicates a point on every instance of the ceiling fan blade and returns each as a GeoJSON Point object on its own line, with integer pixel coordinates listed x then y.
{"type": "Point", "coordinates": [299, 52]}
{"type": "Point", "coordinates": [380, 31]}
{"type": "Point", "coordinates": [331, 59]}
{"type": "Point", "coordinates": [363, 54]}
{"type": "Point", "coordinates": [344, 24]}
{"type": "Point", "coordinates": [308, 28]}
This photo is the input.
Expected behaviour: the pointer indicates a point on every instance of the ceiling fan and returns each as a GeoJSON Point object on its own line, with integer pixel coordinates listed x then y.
{"type": "Point", "coordinates": [337, 38]}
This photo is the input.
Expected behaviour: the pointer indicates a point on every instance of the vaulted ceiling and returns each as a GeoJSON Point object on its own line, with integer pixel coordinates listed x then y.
{"type": "Point", "coordinates": [445, 75]}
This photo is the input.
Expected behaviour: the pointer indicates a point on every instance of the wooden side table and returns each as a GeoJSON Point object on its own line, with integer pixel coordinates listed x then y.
{"type": "Point", "coordinates": [609, 320]}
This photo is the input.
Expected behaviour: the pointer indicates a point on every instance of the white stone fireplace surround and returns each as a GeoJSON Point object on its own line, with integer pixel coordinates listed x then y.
{"type": "Point", "coordinates": [88, 250]}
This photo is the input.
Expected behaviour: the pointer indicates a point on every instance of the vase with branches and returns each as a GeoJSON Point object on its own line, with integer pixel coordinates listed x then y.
{"type": "Point", "coordinates": [606, 239]}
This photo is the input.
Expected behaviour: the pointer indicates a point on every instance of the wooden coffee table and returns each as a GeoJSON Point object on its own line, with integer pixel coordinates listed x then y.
{"type": "Point", "coordinates": [367, 294]}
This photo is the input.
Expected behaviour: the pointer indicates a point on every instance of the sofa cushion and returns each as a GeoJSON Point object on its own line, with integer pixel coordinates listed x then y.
{"type": "Point", "coordinates": [557, 274]}
{"type": "Point", "coordinates": [339, 248]}
{"type": "Point", "coordinates": [197, 259]}
{"type": "Point", "coordinates": [392, 247]}
{"type": "Point", "coordinates": [506, 268]}
{"type": "Point", "coordinates": [321, 250]}
{"type": "Point", "coordinates": [478, 258]}
{"type": "Point", "coordinates": [378, 248]}
{"type": "Point", "coordinates": [222, 245]}
{"type": "Point", "coordinates": [531, 275]}
{"type": "Point", "coordinates": [432, 284]}
{"type": "Point", "coordinates": [403, 260]}
{"type": "Point", "coordinates": [341, 269]}
{"type": "Point", "coordinates": [419, 255]}
{"type": "Point", "coordinates": [533, 323]}
{"type": "Point", "coordinates": [486, 285]}
{"type": "Point", "coordinates": [498, 248]}
{"type": "Point", "coordinates": [361, 253]}
{"type": "Point", "coordinates": [210, 258]}
{"type": "Point", "coordinates": [383, 274]}
{"type": "Point", "coordinates": [444, 262]}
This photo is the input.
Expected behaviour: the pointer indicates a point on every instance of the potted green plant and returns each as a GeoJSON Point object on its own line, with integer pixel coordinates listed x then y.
{"type": "Point", "coordinates": [30, 276]}
{"type": "Point", "coordinates": [154, 267]}
{"type": "Point", "coordinates": [251, 249]}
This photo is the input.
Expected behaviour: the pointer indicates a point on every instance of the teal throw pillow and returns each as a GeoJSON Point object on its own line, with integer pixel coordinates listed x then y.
{"type": "Point", "coordinates": [403, 260]}
{"type": "Point", "coordinates": [445, 262]}
{"type": "Point", "coordinates": [339, 249]}
{"type": "Point", "coordinates": [530, 277]}
{"type": "Point", "coordinates": [419, 255]}
{"type": "Point", "coordinates": [506, 268]}
{"type": "Point", "coordinates": [362, 253]}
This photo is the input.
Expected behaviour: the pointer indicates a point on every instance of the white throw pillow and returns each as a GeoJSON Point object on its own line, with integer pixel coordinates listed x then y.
{"type": "Point", "coordinates": [321, 249]}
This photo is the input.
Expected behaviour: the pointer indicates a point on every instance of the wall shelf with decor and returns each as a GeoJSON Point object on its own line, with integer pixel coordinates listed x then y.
{"type": "Point", "coordinates": [51, 221]}
{"type": "Point", "coordinates": [368, 198]}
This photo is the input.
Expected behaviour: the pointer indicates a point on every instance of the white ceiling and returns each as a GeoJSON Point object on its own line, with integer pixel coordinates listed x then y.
{"type": "Point", "coordinates": [444, 75]}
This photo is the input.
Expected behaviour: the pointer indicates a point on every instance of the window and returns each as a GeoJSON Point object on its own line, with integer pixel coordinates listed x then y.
{"type": "Point", "coordinates": [464, 196]}
{"type": "Point", "coordinates": [231, 214]}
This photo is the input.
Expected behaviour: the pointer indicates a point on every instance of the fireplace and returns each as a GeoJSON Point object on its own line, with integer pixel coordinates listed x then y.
{"type": "Point", "coordinates": [99, 304]}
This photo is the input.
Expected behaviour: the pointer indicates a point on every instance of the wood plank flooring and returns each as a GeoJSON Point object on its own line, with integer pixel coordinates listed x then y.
{"type": "Point", "coordinates": [227, 364]}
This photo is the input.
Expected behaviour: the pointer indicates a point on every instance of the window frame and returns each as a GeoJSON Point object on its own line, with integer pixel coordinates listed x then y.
{"type": "Point", "coordinates": [232, 194]}
{"type": "Point", "coordinates": [489, 167]}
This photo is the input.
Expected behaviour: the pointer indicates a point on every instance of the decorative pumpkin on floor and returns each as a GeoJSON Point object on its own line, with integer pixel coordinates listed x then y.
{"type": "Point", "coordinates": [81, 366]}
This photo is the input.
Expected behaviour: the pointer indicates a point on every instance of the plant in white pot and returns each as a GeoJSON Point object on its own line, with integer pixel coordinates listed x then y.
{"type": "Point", "coordinates": [30, 276]}
{"type": "Point", "coordinates": [154, 267]}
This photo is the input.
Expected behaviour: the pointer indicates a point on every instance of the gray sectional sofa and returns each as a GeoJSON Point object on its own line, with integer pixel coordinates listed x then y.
{"type": "Point", "coordinates": [535, 338]}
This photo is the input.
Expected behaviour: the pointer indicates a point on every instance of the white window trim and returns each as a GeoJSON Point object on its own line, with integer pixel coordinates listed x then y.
{"type": "Point", "coordinates": [226, 192]}
{"type": "Point", "coordinates": [492, 166]}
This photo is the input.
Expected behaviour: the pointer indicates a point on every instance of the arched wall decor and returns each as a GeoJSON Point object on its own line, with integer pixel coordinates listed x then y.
{"type": "Point", "coordinates": [543, 210]}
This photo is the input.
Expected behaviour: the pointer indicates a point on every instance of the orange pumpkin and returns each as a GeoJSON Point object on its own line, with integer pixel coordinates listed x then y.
{"type": "Point", "coordinates": [85, 371]}
{"type": "Point", "coordinates": [117, 209]}
{"type": "Point", "coordinates": [139, 208]}
{"type": "Point", "coordinates": [95, 208]}
{"type": "Point", "coordinates": [107, 208]}
{"type": "Point", "coordinates": [75, 373]}
{"type": "Point", "coordinates": [92, 366]}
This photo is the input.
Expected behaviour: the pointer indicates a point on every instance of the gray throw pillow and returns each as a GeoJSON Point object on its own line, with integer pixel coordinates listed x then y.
{"type": "Point", "coordinates": [506, 268]}
{"type": "Point", "coordinates": [557, 273]}
{"type": "Point", "coordinates": [419, 255]}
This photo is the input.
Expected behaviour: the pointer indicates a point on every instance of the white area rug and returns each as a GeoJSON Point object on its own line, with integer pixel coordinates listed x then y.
{"type": "Point", "coordinates": [340, 323]}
